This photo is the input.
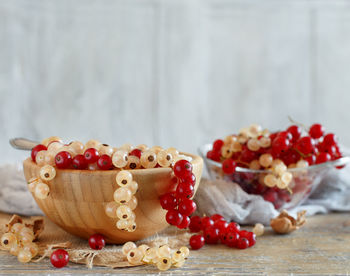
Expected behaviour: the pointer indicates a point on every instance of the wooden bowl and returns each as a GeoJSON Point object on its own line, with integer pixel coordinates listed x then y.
{"type": "Point", "coordinates": [78, 198]}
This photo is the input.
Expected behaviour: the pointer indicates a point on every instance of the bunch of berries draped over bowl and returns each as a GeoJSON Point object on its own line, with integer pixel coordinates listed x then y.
{"type": "Point", "coordinates": [275, 164]}
{"type": "Point", "coordinates": [97, 156]}
{"type": "Point", "coordinates": [163, 257]}
{"type": "Point", "coordinates": [215, 229]}
{"type": "Point", "coordinates": [178, 203]}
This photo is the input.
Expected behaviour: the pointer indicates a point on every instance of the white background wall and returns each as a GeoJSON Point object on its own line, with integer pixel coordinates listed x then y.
{"type": "Point", "coordinates": [170, 72]}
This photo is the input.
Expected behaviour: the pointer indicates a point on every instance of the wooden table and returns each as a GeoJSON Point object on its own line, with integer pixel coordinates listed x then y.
{"type": "Point", "coordinates": [321, 247]}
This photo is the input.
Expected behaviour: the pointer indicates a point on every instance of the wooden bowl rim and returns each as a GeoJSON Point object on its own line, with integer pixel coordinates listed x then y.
{"type": "Point", "coordinates": [196, 160]}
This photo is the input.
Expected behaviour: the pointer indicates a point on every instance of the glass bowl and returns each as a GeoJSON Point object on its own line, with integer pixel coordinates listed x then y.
{"type": "Point", "coordinates": [304, 182]}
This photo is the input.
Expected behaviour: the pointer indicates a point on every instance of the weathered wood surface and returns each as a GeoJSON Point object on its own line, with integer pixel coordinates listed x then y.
{"type": "Point", "coordinates": [321, 247]}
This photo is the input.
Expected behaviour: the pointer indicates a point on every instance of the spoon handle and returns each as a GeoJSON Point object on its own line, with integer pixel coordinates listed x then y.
{"type": "Point", "coordinates": [22, 143]}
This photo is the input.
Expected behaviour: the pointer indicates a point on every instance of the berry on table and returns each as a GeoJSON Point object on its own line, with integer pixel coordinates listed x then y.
{"type": "Point", "coordinates": [242, 243]}
{"type": "Point", "coordinates": [59, 258]}
{"type": "Point", "coordinates": [196, 242]}
{"type": "Point", "coordinates": [97, 242]}
{"type": "Point", "coordinates": [206, 222]}
{"type": "Point", "coordinates": [184, 223]}
{"type": "Point", "coordinates": [195, 224]}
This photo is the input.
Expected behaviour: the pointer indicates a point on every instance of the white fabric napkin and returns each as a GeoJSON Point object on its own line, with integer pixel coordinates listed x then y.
{"type": "Point", "coordinates": [217, 196]}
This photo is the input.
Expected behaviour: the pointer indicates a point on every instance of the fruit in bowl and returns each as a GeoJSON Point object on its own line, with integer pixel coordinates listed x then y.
{"type": "Point", "coordinates": [283, 167]}
{"type": "Point", "coordinates": [95, 188]}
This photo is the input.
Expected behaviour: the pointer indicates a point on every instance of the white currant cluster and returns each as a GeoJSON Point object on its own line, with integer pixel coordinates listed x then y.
{"type": "Point", "coordinates": [19, 241]}
{"type": "Point", "coordinates": [37, 186]}
{"type": "Point", "coordinates": [124, 202]}
{"type": "Point", "coordinates": [162, 257]}
{"type": "Point", "coordinates": [279, 176]}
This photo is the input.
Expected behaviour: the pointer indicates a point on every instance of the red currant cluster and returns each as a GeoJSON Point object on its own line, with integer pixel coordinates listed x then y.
{"type": "Point", "coordinates": [95, 155]}
{"type": "Point", "coordinates": [179, 203]}
{"type": "Point", "coordinates": [256, 148]}
{"type": "Point", "coordinates": [215, 229]}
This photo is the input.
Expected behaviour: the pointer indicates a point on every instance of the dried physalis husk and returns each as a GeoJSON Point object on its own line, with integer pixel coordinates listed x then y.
{"type": "Point", "coordinates": [284, 223]}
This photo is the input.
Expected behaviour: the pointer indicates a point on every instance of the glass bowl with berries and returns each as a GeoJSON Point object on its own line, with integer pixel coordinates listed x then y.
{"type": "Point", "coordinates": [124, 194]}
{"type": "Point", "coordinates": [284, 167]}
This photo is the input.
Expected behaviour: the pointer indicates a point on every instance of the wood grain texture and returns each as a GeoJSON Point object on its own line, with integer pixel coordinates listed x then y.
{"type": "Point", "coordinates": [318, 248]}
{"type": "Point", "coordinates": [77, 200]}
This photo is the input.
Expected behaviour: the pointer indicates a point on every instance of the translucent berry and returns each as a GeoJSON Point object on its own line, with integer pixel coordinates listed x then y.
{"type": "Point", "coordinates": [63, 160]}
{"type": "Point", "coordinates": [104, 162]}
{"type": "Point", "coordinates": [143, 248]}
{"type": "Point", "coordinates": [182, 169]}
{"type": "Point", "coordinates": [164, 264]}
{"type": "Point", "coordinates": [164, 158]}
{"type": "Point", "coordinates": [32, 248]}
{"type": "Point", "coordinates": [24, 256]}
{"type": "Point", "coordinates": [258, 229]}
{"type": "Point", "coordinates": [196, 242]}
{"type": "Point", "coordinates": [124, 212]}
{"type": "Point", "coordinates": [120, 158]}
{"type": "Point", "coordinates": [133, 163]}
{"type": "Point", "coordinates": [8, 240]}
{"type": "Point", "coordinates": [173, 217]}
{"type": "Point", "coordinates": [133, 187]}
{"type": "Point", "coordinates": [254, 165]}
{"type": "Point", "coordinates": [148, 159]}
{"type": "Point", "coordinates": [164, 251]}
{"type": "Point", "coordinates": [127, 247]}
{"type": "Point", "coordinates": [270, 180]}
{"type": "Point", "coordinates": [16, 228]}
{"type": "Point", "coordinates": [37, 149]}
{"type": "Point", "coordinates": [253, 144]}
{"type": "Point", "coordinates": [91, 155]}
{"type": "Point", "coordinates": [185, 251]}
{"type": "Point", "coordinates": [50, 158]}
{"type": "Point", "coordinates": [47, 173]}
{"type": "Point", "coordinates": [40, 158]}
{"type": "Point", "coordinates": [105, 149]}
{"type": "Point", "coordinates": [79, 162]}
{"type": "Point", "coordinates": [286, 178]}
{"type": "Point", "coordinates": [302, 164]}
{"type": "Point", "coordinates": [111, 209]}
{"type": "Point", "coordinates": [122, 195]}
{"type": "Point", "coordinates": [92, 144]}
{"type": "Point", "coordinates": [123, 224]}
{"type": "Point", "coordinates": [97, 242]}
{"type": "Point", "coordinates": [177, 256]}
{"type": "Point", "coordinates": [59, 258]}
{"type": "Point", "coordinates": [132, 203]}
{"type": "Point", "coordinates": [135, 256]}
{"type": "Point", "coordinates": [316, 131]}
{"type": "Point", "coordinates": [265, 160]}
{"type": "Point", "coordinates": [226, 151]}
{"type": "Point", "coordinates": [42, 190]}
{"type": "Point", "coordinates": [264, 142]}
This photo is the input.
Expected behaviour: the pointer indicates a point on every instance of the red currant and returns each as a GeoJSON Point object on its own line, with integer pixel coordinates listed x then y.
{"type": "Point", "coordinates": [270, 195]}
{"type": "Point", "coordinates": [242, 243]}
{"type": "Point", "coordinates": [280, 144]}
{"type": "Point", "coordinates": [79, 162]}
{"type": "Point", "coordinates": [323, 157]}
{"type": "Point", "coordinates": [305, 145]}
{"type": "Point", "coordinates": [311, 159]}
{"type": "Point", "coordinates": [229, 166]}
{"type": "Point", "coordinates": [187, 207]}
{"type": "Point", "coordinates": [250, 236]}
{"type": "Point", "coordinates": [191, 179]}
{"type": "Point", "coordinates": [330, 139]}
{"type": "Point", "coordinates": [97, 242]}
{"type": "Point", "coordinates": [36, 149]}
{"type": "Point", "coordinates": [91, 155]}
{"type": "Point", "coordinates": [196, 242]}
{"type": "Point", "coordinates": [206, 222]}
{"type": "Point", "coordinates": [230, 239]}
{"type": "Point", "coordinates": [211, 235]}
{"type": "Point", "coordinates": [216, 217]}
{"type": "Point", "coordinates": [214, 155]}
{"type": "Point", "coordinates": [63, 160]}
{"type": "Point", "coordinates": [217, 145]}
{"type": "Point", "coordinates": [104, 162]}
{"type": "Point", "coordinates": [221, 225]}
{"type": "Point", "coordinates": [182, 169]}
{"type": "Point", "coordinates": [195, 224]}
{"type": "Point", "coordinates": [168, 201]}
{"type": "Point", "coordinates": [173, 217]}
{"type": "Point", "coordinates": [247, 155]}
{"type": "Point", "coordinates": [233, 227]}
{"type": "Point", "coordinates": [136, 152]}
{"type": "Point", "coordinates": [184, 190]}
{"type": "Point", "coordinates": [295, 131]}
{"type": "Point", "coordinates": [316, 131]}
{"type": "Point", "coordinates": [285, 134]}
{"type": "Point", "coordinates": [184, 223]}
{"type": "Point", "coordinates": [59, 258]}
